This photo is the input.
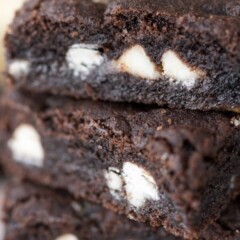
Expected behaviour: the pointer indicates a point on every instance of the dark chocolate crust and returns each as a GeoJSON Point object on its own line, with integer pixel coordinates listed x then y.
{"type": "Point", "coordinates": [33, 212]}
{"type": "Point", "coordinates": [204, 34]}
{"type": "Point", "coordinates": [36, 213]}
{"type": "Point", "coordinates": [202, 8]}
{"type": "Point", "coordinates": [193, 157]}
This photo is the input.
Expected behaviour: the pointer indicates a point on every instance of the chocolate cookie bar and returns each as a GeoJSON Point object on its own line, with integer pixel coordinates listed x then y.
{"type": "Point", "coordinates": [33, 212]}
{"type": "Point", "coordinates": [179, 53]}
{"type": "Point", "coordinates": [36, 213]}
{"type": "Point", "coordinates": [164, 167]}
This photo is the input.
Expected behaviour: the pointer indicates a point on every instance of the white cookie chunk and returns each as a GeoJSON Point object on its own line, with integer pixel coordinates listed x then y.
{"type": "Point", "coordinates": [178, 70]}
{"type": "Point", "coordinates": [114, 181]}
{"type": "Point", "coordinates": [26, 146]}
{"type": "Point", "coordinates": [67, 237]}
{"type": "Point", "coordinates": [83, 58]}
{"type": "Point", "coordinates": [19, 68]}
{"type": "Point", "coordinates": [136, 62]}
{"type": "Point", "coordinates": [139, 185]}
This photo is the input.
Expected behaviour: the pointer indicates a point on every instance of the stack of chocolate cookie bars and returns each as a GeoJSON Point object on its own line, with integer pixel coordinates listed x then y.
{"type": "Point", "coordinates": [120, 120]}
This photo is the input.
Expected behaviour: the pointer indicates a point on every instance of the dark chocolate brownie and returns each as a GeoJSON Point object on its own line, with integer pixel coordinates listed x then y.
{"type": "Point", "coordinates": [174, 168]}
{"type": "Point", "coordinates": [36, 213]}
{"type": "Point", "coordinates": [180, 53]}
{"type": "Point", "coordinates": [33, 212]}
{"type": "Point", "coordinates": [2, 199]}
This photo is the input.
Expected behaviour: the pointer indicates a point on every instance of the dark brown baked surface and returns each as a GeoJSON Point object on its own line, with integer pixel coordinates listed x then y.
{"type": "Point", "coordinates": [34, 212]}
{"type": "Point", "coordinates": [202, 8]}
{"type": "Point", "coordinates": [179, 53]}
{"type": "Point", "coordinates": [174, 168]}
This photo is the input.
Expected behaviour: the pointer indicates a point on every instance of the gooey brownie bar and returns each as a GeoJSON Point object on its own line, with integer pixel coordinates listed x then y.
{"type": "Point", "coordinates": [174, 168]}
{"type": "Point", "coordinates": [179, 53]}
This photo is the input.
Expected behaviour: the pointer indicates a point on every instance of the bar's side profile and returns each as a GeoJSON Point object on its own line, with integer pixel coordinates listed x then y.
{"type": "Point", "coordinates": [181, 54]}
{"type": "Point", "coordinates": [184, 161]}
{"type": "Point", "coordinates": [37, 213]}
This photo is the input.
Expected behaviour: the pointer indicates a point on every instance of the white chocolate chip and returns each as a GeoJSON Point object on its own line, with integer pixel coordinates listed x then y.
{"type": "Point", "coordinates": [176, 69]}
{"type": "Point", "coordinates": [101, 1]}
{"type": "Point", "coordinates": [76, 206]}
{"type": "Point", "coordinates": [19, 68]}
{"type": "Point", "coordinates": [84, 58]}
{"type": "Point", "coordinates": [114, 181]}
{"type": "Point", "coordinates": [136, 62]}
{"type": "Point", "coordinates": [236, 121]}
{"type": "Point", "coordinates": [67, 237]}
{"type": "Point", "coordinates": [3, 188]}
{"type": "Point", "coordinates": [26, 146]}
{"type": "Point", "coordinates": [132, 217]}
{"type": "Point", "coordinates": [139, 185]}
